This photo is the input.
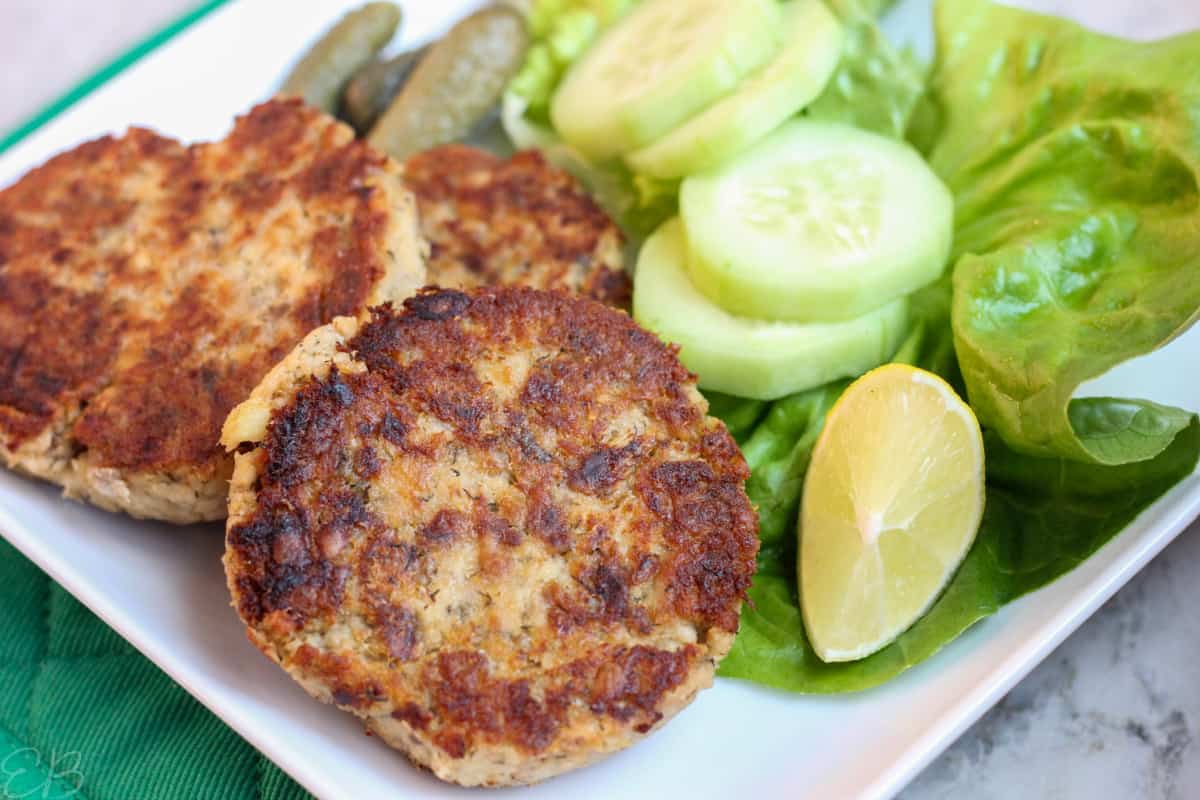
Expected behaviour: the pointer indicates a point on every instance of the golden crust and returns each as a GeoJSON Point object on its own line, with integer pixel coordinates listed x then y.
{"type": "Point", "coordinates": [497, 525]}
{"type": "Point", "coordinates": [520, 222]}
{"type": "Point", "coordinates": [146, 287]}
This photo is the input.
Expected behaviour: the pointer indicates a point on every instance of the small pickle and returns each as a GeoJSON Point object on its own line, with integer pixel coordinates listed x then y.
{"type": "Point", "coordinates": [373, 88]}
{"type": "Point", "coordinates": [349, 46]}
{"type": "Point", "coordinates": [457, 84]}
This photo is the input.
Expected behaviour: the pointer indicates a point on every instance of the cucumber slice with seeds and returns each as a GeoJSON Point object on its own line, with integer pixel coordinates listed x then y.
{"type": "Point", "coordinates": [662, 62]}
{"type": "Point", "coordinates": [811, 46]}
{"type": "Point", "coordinates": [818, 222]}
{"type": "Point", "coordinates": [749, 357]}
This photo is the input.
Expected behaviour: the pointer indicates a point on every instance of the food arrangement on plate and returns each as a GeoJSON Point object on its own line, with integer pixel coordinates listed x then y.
{"type": "Point", "coordinates": [757, 359]}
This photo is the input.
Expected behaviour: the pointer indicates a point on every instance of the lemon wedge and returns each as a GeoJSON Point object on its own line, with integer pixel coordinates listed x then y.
{"type": "Point", "coordinates": [892, 502]}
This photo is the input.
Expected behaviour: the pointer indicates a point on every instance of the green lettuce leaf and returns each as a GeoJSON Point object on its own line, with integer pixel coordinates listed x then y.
{"type": "Point", "coordinates": [1075, 160]}
{"type": "Point", "coordinates": [1104, 279]}
{"type": "Point", "coordinates": [876, 86]}
{"type": "Point", "coordinates": [1043, 518]}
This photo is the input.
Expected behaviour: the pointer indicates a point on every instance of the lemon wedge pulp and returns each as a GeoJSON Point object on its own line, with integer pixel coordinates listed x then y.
{"type": "Point", "coordinates": [892, 502]}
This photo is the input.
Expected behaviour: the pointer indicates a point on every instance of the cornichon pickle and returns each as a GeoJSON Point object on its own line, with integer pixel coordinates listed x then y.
{"type": "Point", "coordinates": [351, 44]}
{"type": "Point", "coordinates": [373, 88]}
{"type": "Point", "coordinates": [459, 80]}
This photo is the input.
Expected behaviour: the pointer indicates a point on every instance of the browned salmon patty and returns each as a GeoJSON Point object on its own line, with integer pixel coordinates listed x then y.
{"type": "Point", "coordinates": [146, 287]}
{"type": "Point", "coordinates": [497, 525]}
{"type": "Point", "coordinates": [519, 221]}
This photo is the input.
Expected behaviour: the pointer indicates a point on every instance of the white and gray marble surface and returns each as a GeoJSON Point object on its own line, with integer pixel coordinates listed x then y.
{"type": "Point", "coordinates": [1113, 713]}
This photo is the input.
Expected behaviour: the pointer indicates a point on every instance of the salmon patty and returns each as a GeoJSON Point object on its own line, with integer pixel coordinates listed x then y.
{"type": "Point", "coordinates": [520, 222]}
{"type": "Point", "coordinates": [146, 287]}
{"type": "Point", "coordinates": [497, 525]}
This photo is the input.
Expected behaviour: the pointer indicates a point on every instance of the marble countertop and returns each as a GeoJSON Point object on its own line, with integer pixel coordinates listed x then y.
{"type": "Point", "coordinates": [1114, 712]}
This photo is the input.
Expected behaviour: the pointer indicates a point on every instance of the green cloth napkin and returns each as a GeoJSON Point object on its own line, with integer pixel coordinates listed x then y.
{"type": "Point", "coordinates": [84, 715]}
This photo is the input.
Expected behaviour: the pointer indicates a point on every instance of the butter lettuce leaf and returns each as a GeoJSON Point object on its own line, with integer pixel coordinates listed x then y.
{"type": "Point", "coordinates": [1072, 157]}
{"type": "Point", "coordinates": [1044, 516]}
{"type": "Point", "coordinates": [1075, 163]}
{"type": "Point", "coordinates": [1030, 535]}
{"type": "Point", "coordinates": [876, 85]}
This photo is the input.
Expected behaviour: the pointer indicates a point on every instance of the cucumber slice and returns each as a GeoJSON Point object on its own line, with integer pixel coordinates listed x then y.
{"type": "Point", "coordinates": [811, 47]}
{"type": "Point", "coordinates": [661, 63]}
{"type": "Point", "coordinates": [818, 222]}
{"type": "Point", "coordinates": [750, 357]}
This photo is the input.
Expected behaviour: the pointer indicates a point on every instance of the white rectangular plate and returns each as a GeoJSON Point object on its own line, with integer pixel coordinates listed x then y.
{"type": "Point", "coordinates": [162, 587]}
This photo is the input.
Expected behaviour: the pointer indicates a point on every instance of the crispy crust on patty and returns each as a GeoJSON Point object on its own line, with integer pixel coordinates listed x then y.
{"type": "Point", "coordinates": [496, 525]}
{"type": "Point", "coordinates": [146, 287]}
{"type": "Point", "coordinates": [520, 221]}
